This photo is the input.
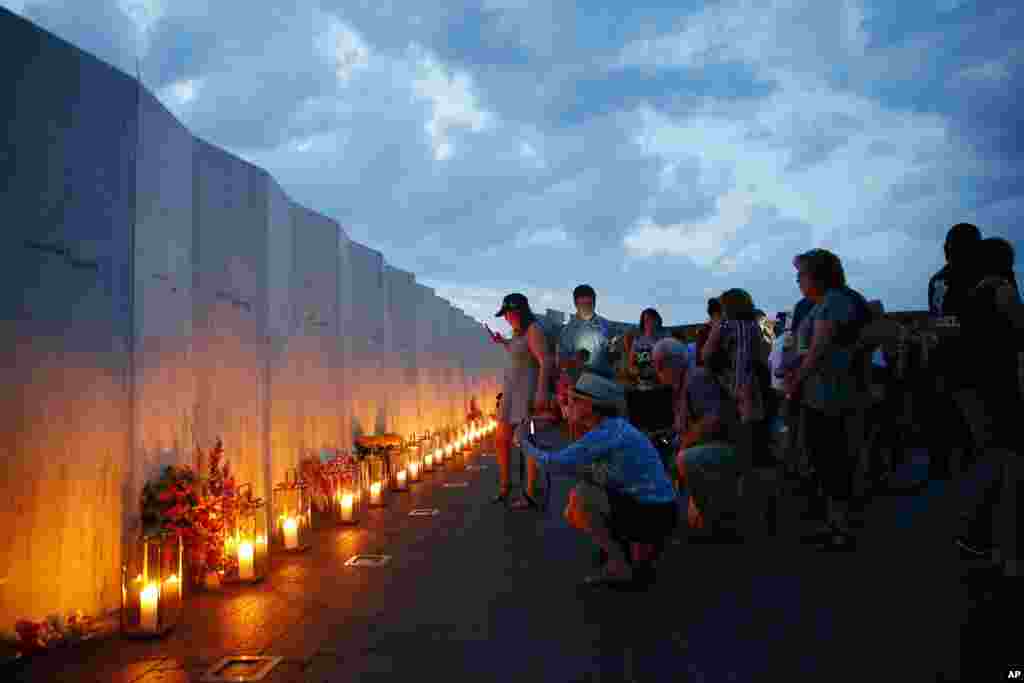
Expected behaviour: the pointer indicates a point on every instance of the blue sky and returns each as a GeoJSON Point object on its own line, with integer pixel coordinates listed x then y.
{"type": "Point", "coordinates": [662, 151]}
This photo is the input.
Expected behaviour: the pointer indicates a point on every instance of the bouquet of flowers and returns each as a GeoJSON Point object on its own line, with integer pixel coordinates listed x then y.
{"type": "Point", "coordinates": [316, 474]}
{"type": "Point", "coordinates": [54, 631]}
{"type": "Point", "coordinates": [169, 503]}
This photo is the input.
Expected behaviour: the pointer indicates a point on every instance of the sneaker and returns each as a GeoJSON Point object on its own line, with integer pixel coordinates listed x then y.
{"type": "Point", "coordinates": [971, 550]}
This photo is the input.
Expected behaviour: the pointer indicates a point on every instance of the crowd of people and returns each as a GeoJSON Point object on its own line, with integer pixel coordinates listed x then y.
{"type": "Point", "coordinates": [661, 432]}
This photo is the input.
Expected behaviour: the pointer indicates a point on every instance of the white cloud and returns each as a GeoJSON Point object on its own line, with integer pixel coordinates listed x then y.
{"type": "Point", "coordinates": [454, 105]}
{"type": "Point", "coordinates": [178, 96]}
{"type": "Point", "coordinates": [344, 47]}
{"type": "Point", "coordinates": [551, 237]}
{"type": "Point", "coordinates": [704, 241]}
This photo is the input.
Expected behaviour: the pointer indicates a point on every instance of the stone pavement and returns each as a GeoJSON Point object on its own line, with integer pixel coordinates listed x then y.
{"type": "Point", "coordinates": [481, 593]}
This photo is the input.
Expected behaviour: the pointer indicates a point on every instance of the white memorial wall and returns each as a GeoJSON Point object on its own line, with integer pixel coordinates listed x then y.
{"type": "Point", "coordinates": [159, 293]}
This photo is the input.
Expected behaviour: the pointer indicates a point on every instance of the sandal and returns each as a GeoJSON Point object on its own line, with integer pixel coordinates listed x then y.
{"type": "Point", "coordinates": [525, 503]}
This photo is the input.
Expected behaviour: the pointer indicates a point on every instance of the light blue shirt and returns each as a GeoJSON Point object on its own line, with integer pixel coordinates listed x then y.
{"type": "Point", "coordinates": [621, 458]}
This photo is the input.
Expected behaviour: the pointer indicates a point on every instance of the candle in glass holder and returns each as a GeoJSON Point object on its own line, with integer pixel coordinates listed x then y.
{"type": "Point", "coordinates": [414, 471]}
{"type": "Point", "coordinates": [150, 600]}
{"type": "Point", "coordinates": [375, 493]}
{"type": "Point", "coordinates": [428, 462]}
{"type": "Point", "coordinates": [347, 503]}
{"type": "Point", "coordinates": [172, 588]}
{"type": "Point", "coordinates": [291, 533]}
{"type": "Point", "coordinates": [400, 477]}
{"type": "Point", "coordinates": [245, 568]}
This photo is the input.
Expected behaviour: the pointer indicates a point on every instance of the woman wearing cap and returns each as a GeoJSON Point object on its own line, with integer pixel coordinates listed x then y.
{"type": "Point", "coordinates": [626, 497]}
{"type": "Point", "coordinates": [525, 380]}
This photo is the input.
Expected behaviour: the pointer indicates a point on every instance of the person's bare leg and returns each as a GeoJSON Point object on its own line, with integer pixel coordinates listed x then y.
{"type": "Point", "coordinates": [596, 527]}
{"type": "Point", "coordinates": [503, 449]}
{"type": "Point", "coordinates": [531, 478]}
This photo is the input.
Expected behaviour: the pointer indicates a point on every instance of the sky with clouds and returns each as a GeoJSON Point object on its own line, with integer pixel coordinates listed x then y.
{"type": "Point", "coordinates": [661, 151]}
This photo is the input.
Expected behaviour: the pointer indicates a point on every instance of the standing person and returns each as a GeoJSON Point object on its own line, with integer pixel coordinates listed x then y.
{"type": "Point", "coordinates": [947, 296]}
{"type": "Point", "coordinates": [651, 331]}
{"type": "Point", "coordinates": [583, 343]}
{"type": "Point", "coordinates": [829, 383]}
{"type": "Point", "coordinates": [738, 335]}
{"type": "Point", "coordinates": [714, 316]}
{"type": "Point", "coordinates": [626, 497]}
{"type": "Point", "coordinates": [948, 288]}
{"type": "Point", "coordinates": [993, 328]}
{"type": "Point", "coordinates": [525, 380]}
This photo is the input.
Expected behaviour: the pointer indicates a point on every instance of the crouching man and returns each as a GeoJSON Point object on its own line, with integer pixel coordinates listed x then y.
{"type": "Point", "coordinates": [625, 501]}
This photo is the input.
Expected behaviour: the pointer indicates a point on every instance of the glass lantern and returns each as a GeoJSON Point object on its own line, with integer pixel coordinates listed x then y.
{"type": "Point", "coordinates": [375, 479]}
{"type": "Point", "coordinates": [347, 490]}
{"type": "Point", "coordinates": [152, 597]}
{"type": "Point", "coordinates": [246, 551]}
{"type": "Point", "coordinates": [449, 444]}
{"type": "Point", "coordinates": [431, 455]}
{"type": "Point", "coordinates": [293, 519]}
{"type": "Point", "coordinates": [415, 464]}
{"type": "Point", "coordinates": [401, 458]}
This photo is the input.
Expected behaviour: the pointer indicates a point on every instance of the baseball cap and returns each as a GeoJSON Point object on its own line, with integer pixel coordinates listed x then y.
{"type": "Point", "coordinates": [513, 302]}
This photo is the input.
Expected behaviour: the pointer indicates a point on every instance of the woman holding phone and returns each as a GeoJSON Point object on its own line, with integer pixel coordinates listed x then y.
{"type": "Point", "coordinates": [525, 380]}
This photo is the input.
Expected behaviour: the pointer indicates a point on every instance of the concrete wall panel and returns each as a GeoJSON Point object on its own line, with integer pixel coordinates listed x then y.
{"type": "Point", "coordinates": [343, 370]}
{"type": "Point", "coordinates": [313, 345]}
{"type": "Point", "coordinates": [402, 306]}
{"type": "Point", "coordinates": [68, 189]}
{"type": "Point", "coordinates": [282, 406]}
{"type": "Point", "coordinates": [425, 390]}
{"type": "Point", "coordinates": [371, 341]}
{"type": "Point", "coordinates": [230, 243]}
{"type": "Point", "coordinates": [165, 395]}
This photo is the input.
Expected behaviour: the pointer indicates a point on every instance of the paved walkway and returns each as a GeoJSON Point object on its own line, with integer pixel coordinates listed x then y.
{"type": "Point", "coordinates": [481, 593]}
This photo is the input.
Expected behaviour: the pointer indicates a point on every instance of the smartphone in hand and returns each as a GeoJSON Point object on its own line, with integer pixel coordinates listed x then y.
{"type": "Point", "coordinates": [495, 337]}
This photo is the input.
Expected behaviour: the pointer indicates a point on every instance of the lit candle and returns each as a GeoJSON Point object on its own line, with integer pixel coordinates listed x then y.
{"type": "Point", "coordinates": [245, 569]}
{"type": "Point", "coordinates": [291, 533]}
{"type": "Point", "coordinates": [428, 462]}
{"type": "Point", "coordinates": [414, 471]}
{"type": "Point", "coordinates": [172, 588]}
{"type": "Point", "coordinates": [150, 600]}
{"type": "Point", "coordinates": [400, 478]}
{"type": "Point", "coordinates": [347, 504]}
{"type": "Point", "coordinates": [375, 493]}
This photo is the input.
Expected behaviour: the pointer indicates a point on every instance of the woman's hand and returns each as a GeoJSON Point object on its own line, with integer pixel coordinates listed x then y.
{"type": "Point", "coordinates": [495, 336]}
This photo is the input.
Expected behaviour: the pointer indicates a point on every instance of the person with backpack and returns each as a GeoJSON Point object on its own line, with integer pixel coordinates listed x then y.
{"type": "Point", "coordinates": [830, 385]}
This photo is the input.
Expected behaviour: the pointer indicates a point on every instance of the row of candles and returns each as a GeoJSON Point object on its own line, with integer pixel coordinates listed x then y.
{"type": "Point", "coordinates": [152, 601]}
{"type": "Point", "coordinates": [427, 458]}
